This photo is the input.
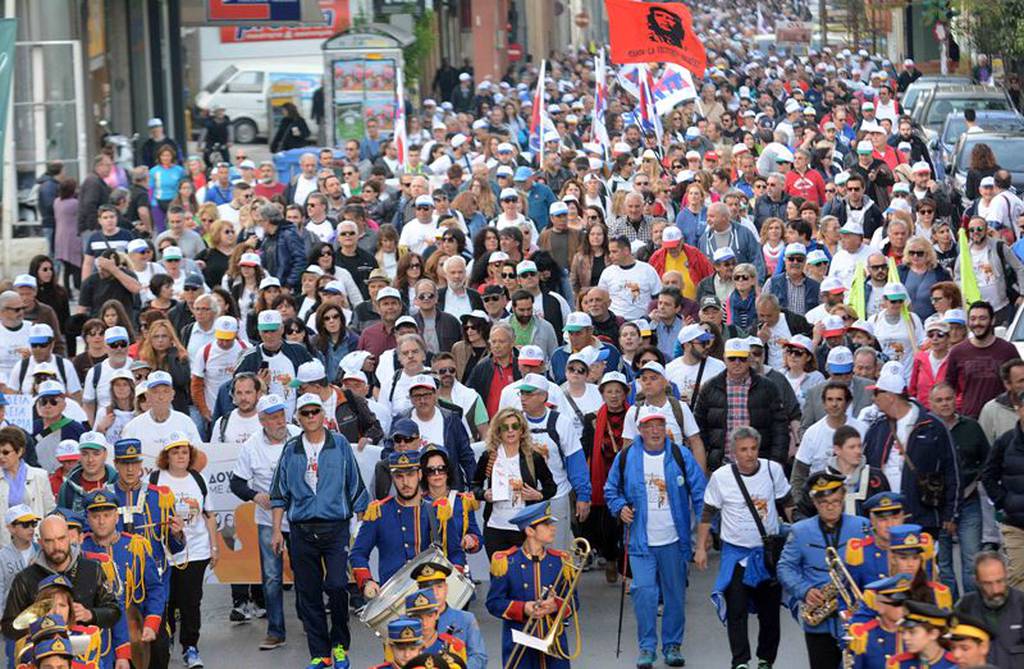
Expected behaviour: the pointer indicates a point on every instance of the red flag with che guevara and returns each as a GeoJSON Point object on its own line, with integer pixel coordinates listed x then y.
{"type": "Point", "coordinates": [646, 32]}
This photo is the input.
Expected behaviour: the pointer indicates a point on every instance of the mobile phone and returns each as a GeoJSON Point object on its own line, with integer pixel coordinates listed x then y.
{"type": "Point", "coordinates": [264, 365]}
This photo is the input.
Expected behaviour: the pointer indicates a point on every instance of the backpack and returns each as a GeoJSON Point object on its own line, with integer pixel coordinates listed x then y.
{"type": "Point", "coordinates": [677, 455]}
{"type": "Point", "coordinates": [1011, 284]}
{"type": "Point", "coordinates": [677, 408]}
{"type": "Point", "coordinates": [550, 429]}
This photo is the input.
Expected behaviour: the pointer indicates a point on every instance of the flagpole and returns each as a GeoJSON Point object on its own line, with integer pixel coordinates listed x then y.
{"type": "Point", "coordinates": [401, 140]}
{"type": "Point", "coordinates": [539, 104]}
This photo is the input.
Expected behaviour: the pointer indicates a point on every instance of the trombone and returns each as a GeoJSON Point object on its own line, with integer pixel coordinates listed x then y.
{"type": "Point", "coordinates": [532, 636]}
{"type": "Point", "coordinates": [851, 595]}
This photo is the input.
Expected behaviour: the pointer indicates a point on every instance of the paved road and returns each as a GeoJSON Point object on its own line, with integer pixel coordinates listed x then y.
{"type": "Point", "coordinates": [705, 646]}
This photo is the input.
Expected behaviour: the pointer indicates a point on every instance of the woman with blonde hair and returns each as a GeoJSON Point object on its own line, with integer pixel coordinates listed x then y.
{"type": "Point", "coordinates": [828, 234]}
{"type": "Point", "coordinates": [772, 243]}
{"type": "Point", "coordinates": [162, 349]}
{"type": "Point", "coordinates": [206, 216]}
{"type": "Point", "coordinates": [509, 475]}
{"type": "Point", "coordinates": [919, 273]}
{"type": "Point", "coordinates": [693, 216]}
{"type": "Point", "coordinates": [217, 255]}
{"type": "Point", "coordinates": [433, 269]}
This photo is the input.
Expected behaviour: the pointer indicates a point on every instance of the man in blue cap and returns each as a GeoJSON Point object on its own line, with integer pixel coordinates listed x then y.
{"type": "Point", "coordinates": [538, 196]}
{"type": "Point", "coordinates": [520, 578]}
{"type": "Point", "coordinates": [867, 559]}
{"type": "Point", "coordinates": [424, 606]}
{"type": "Point", "coordinates": [144, 511]}
{"type": "Point", "coordinates": [803, 568]}
{"type": "Point", "coordinates": [131, 556]}
{"type": "Point", "coordinates": [404, 642]}
{"type": "Point", "coordinates": [405, 436]}
{"type": "Point", "coordinates": [873, 641]}
{"type": "Point", "coordinates": [400, 526]}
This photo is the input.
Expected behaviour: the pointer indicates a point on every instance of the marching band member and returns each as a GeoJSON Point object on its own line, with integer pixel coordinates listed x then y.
{"type": "Point", "coordinates": [60, 618]}
{"type": "Point", "coordinates": [652, 493]}
{"type": "Point", "coordinates": [921, 630]}
{"type": "Point", "coordinates": [404, 642]}
{"type": "Point", "coordinates": [141, 584]}
{"type": "Point", "coordinates": [970, 639]}
{"type": "Point", "coordinates": [435, 661]}
{"type": "Point", "coordinates": [148, 512]}
{"type": "Point", "coordinates": [52, 653]}
{"type": "Point", "coordinates": [872, 642]}
{"type": "Point", "coordinates": [399, 527]}
{"type": "Point", "coordinates": [460, 624]}
{"type": "Point", "coordinates": [803, 568]}
{"type": "Point", "coordinates": [520, 578]}
{"type": "Point", "coordinates": [423, 605]}
{"type": "Point", "coordinates": [912, 552]}
{"type": "Point", "coordinates": [454, 510]}
{"type": "Point", "coordinates": [867, 559]}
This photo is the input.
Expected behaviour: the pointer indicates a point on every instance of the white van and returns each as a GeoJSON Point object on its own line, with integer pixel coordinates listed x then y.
{"type": "Point", "coordinates": [248, 92]}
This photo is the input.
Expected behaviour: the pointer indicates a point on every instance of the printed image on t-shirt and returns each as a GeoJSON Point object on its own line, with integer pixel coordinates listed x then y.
{"type": "Point", "coordinates": [761, 504]}
{"type": "Point", "coordinates": [657, 493]}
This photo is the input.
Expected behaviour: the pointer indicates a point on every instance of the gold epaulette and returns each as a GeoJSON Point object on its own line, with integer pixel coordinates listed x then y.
{"type": "Point", "coordinates": [499, 562]}
{"type": "Point", "coordinates": [372, 512]}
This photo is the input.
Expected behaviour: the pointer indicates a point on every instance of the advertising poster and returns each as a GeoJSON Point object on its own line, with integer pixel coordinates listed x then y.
{"type": "Point", "coordinates": [290, 87]}
{"type": "Point", "coordinates": [363, 89]}
{"type": "Point", "coordinates": [336, 19]}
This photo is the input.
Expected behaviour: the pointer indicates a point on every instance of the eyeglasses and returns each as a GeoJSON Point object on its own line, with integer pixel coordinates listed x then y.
{"type": "Point", "coordinates": [576, 370]}
{"type": "Point", "coordinates": [916, 254]}
{"type": "Point", "coordinates": [509, 427]}
{"type": "Point", "coordinates": [349, 174]}
{"type": "Point", "coordinates": [309, 413]}
{"type": "Point", "coordinates": [435, 471]}
{"type": "Point", "coordinates": [487, 299]}
{"type": "Point", "coordinates": [48, 401]}
{"type": "Point", "coordinates": [527, 275]}
{"type": "Point", "coordinates": [423, 297]}
{"type": "Point", "coordinates": [347, 233]}
{"type": "Point", "coordinates": [402, 439]}
{"type": "Point", "coordinates": [937, 298]}
{"type": "Point", "coordinates": [741, 277]}
{"type": "Point", "coordinates": [876, 268]}
{"type": "Point", "coordinates": [332, 317]}
{"type": "Point", "coordinates": [937, 334]}
{"type": "Point", "coordinates": [735, 359]}
{"type": "Point", "coordinates": [795, 259]}
{"type": "Point", "coordinates": [445, 371]}
{"type": "Point", "coordinates": [420, 396]}
{"type": "Point", "coordinates": [926, 211]}
{"type": "Point", "coordinates": [26, 523]}
{"type": "Point", "coordinates": [7, 452]}
{"type": "Point", "coordinates": [16, 310]}
{"type": "Point", "coordinates": [43, 345]}
{"type": "Point", "coordinates": [506, 275]}
{"type": "Point", "coordinates": [978, 229]}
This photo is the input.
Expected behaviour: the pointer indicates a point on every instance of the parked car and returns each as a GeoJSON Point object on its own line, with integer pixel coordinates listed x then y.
{"type": "Point", "coordinates": [988, 121]}
{"type": "Point", "coordinates": [252, 92]}
{"type": "Point", "coordinates": [932, 111]}
{"type": "Point", "coordinates": [925, 84]}
{"type": "Point", "coordinates": [1007, 147]}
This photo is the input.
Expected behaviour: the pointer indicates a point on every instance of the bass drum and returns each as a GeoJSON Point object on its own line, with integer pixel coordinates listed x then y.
{"type": "Point", "coordinates": [390, 601]}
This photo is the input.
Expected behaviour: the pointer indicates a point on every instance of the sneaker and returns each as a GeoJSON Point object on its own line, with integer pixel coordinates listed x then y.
{"type": "Point", "coordinates": [191, 658]}
{"type": "Point", "coordinates": [740, 666]}
{"type": "Point", "coordinates": [272, 642]}
{"type": "Point", "coordinates": [319, 663]}
{"type": "Point", "coordinates": [646, 660]}
{"type": "Point", "coordinates": [340, 658]}
{"type": "Point", "coordinates": [256, 611]}
{"type": "Point", "coordinates": [674, 656]}
{"type": "Point", "coordinates": [764, 664]}
{"type": "Point", "coordinates": [239, 614]}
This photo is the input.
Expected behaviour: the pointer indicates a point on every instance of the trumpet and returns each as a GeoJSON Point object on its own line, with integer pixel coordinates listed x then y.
{"type": "Point", "coordinates": [563, 589]}
{"type": "Point", "coordinates": [841, 586]}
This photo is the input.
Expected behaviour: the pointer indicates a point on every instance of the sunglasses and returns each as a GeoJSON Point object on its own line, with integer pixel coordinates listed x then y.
{"type": "Point", "coordinates": [422, 207]}
{"type": "Point", "coordinates": [795, 351]}
{"type": "Point", "coordinates": [48, 401]}
{"type": "Point", "coordinates": [444, 371]}
{"type": "Point", "coordinates": [7, 452]}
{"type": "Point", "coordinates": [347, 233]}
{"type": "Point", "coordinates": [26, 523]}
{"type": "Point", "coordinates": [854, 189]}
{"type": "Point", "coordinates": [978, 229]}
{"type": "Point", "coordinates": [735, 359]}
{"type": "Point", "coordinates": [510, 199]}
{"type": "Point", "coordinates": [796, 259]}
{"type": "Point", "coordinates": [510, 428]}
{"type": "Point", "coordinates": [577, 370]}
{"type": "Point", "coordinates": [433, 471]}
{"type": "Point", "coordinates": [507, 275]}
{"type": "Point", "coordinates": [423, 297]}
{"type": "Point", "coordinates": [415, 265]}
{"type": "Point", "coordinates": [527, 275]}
{"type": "Point", "coordinates": [43, 345]}
{"type": "Point", "coordinates": [916, 254]}
{"type": "Point", "coordinates": [936, 334]}
{"type": "Point", "coordinates": [926, 211]}
{"type": "Point", "coordinates": [118, 344]}
{"type": "Point", "coordinates": [401, 439]}
{"type": "Point", "coordinates": [309, 413]}
{"type": "Point", "coordinates": [332, 317]}
{"type": "Point", "coordinates": [741, 277]}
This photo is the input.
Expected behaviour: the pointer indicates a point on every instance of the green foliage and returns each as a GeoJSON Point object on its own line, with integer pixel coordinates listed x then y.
{"type": "Point", "coordinates": [416, 54]}
{"type": "Point", "coordinates": [995, 27]}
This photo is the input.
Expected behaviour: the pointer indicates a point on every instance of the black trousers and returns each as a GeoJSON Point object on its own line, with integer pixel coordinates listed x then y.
{"type": "Point", "coordinates": [160, 649]}
{"type": "Point", "coordinates": [184, 600]}
{"type": "Point", "coordinates": [247, 592]}
{"type": "Point", "coordinates": [768, 598]}
{"type": "Point", "coordinates": [823, 651]}
{"type": "Point", "coordinates": [604, 533]}
{"type": "Point", "coordinates": [500, 540]}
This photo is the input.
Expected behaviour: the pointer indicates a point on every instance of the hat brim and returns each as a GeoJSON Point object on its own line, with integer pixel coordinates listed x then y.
{"type": "Point", "coordinates": [225, 335]}
{"type": "Point", "coordinates": [671, 243]}
{"type": "Point", "coordinates": [839, 369]}
{"type": "Point", "coordinates": [269, 327]}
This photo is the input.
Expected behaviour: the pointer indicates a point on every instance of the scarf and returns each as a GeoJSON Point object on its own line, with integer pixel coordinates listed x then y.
{"type": "Point", "coordinates": [742, 312]}
{"type": "Point", "coordinates": [607, 431]}
{"type": "Point", "coordinates": [16, 485]}
{"type": "Point", "coordinates": [524, 333]}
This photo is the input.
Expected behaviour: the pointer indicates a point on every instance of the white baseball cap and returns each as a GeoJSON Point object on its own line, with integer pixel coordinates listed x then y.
{"type": "Point", "coordinates": [310, 372]}
{"type": "Point", "coordinates": [533, 382]}
{"type": "Point", "coordinates": [577, 321]}
{"type": "Point", "coordinates": [648, 413]}
{"type": "Point", "coordinates": [531, 355]}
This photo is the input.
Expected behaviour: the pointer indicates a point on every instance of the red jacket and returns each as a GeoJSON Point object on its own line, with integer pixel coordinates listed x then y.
{"type": "Point", "coordinates": [809, 185]}
{"type": "Point", "coordinates": [921, 378]}
{"type": "Point", "coordinates": [700, 266]}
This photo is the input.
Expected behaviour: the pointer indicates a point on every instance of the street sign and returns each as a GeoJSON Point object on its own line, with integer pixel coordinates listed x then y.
{"type": "Point", "coordinates": [515, 51]}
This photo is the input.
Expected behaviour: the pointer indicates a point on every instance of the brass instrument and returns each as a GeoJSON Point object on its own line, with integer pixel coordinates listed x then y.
{"type": "Point", "coordinates": [563, 589]}
{"type": "Point", "coordinates": [140, 649]}
{"type": "Point", "coordinates": [33, 613]}
{"type": "Point", "coordinates": [841, 586]}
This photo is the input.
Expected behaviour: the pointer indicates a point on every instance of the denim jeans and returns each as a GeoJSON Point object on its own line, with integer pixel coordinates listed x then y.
{"type": "Point", "coordinates": [272, 572]}
{"type": "Point", "coordinates": [319, 554]}
{"type": "Point", "coordinates": [661, 572]}
{"type": "Point", "coordinates": [968, 531]}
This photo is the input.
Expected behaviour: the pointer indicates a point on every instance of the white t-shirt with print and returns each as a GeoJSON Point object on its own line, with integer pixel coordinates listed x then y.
{"type": "Point", "coordinates": [99, 391]}
{"type": "Point", "coordinates": [505, 469]}
{"type": "Point", "coordinates": [153, 435]}
{"type": "Point", "coordinates": [312, 450]}
{"type": "Point", "coordinates": [215, 366]}
{"type": "Point", "coordinates": [197, 539]}
{"type": "Point", "coordinates": [257, 462]}
{"type": "Point", "coordinates": [765, 486]}
{"type": "Point", "coordinates": [570, 441]}
{"type": "Point", "coordinates": [239, 429]}
{"type": "Point", "coordinates": [816, 446]}
{"type": "Point", "coordinates": [630, 288]}
{"type": "Point", "coordinates": [661, 530]}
